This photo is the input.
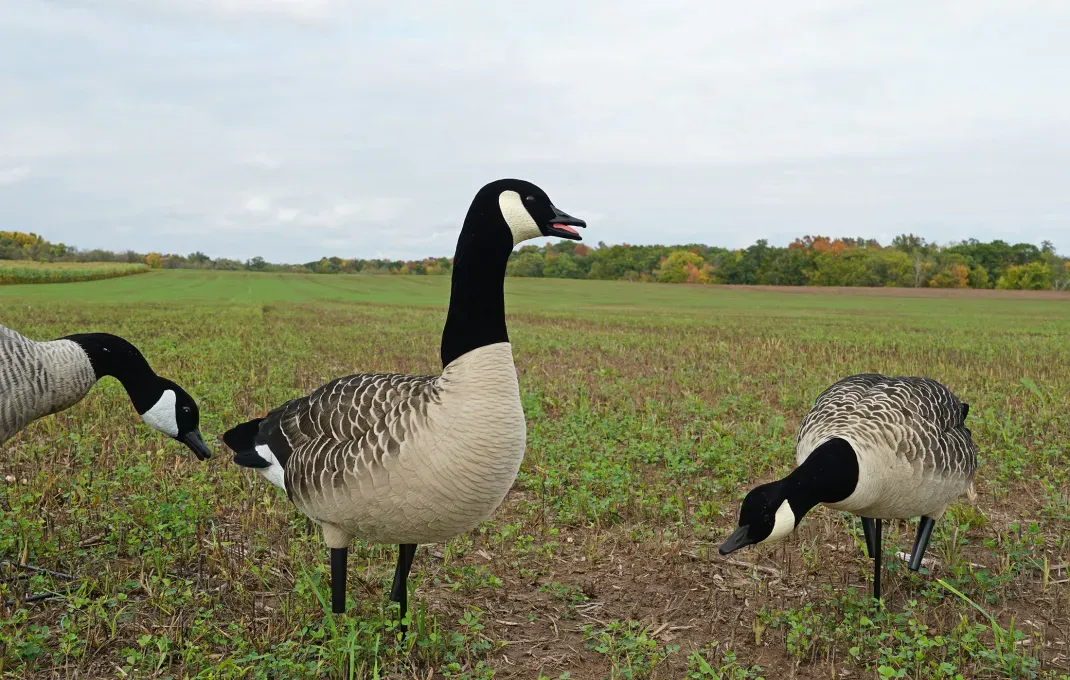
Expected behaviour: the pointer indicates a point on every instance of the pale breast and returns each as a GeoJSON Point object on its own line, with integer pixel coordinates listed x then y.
{"type": "Point", "coordinates": [442, 466]}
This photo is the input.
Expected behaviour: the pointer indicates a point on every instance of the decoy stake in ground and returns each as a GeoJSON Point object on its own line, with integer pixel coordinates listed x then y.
{"type": "Point", "coordinates": [41, 378]}
{"type": "Point", "coordinates": [874, 446]}
{"type": "Point", "coordinates": [407, 459]}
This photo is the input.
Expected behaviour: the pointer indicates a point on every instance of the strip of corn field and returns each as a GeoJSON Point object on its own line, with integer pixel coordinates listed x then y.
{"type": "Point", "coordinates": [16, 272]}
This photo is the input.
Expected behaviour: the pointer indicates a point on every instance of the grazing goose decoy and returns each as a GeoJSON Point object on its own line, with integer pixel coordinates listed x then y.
{"type": "Point", "coordinates": [876, 447]}
{"type": "Point", "coordinates": [41, 378]}
{"type": "Point", "coordinates": [405, 459]}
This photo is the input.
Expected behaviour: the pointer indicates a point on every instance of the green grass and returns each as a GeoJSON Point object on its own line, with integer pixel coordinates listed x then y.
{"type": "Point", "coordinates": [15, 272]}
{"type": "Point", "coordinates": [651, 410]}
{"type": "Point", "coordinates": [553, 296]}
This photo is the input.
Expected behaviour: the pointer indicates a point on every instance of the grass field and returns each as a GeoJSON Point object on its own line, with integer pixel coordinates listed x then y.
{"type": "Point", "coordinates": [651, 410]}
{"type": "Point", "coordinates": [21, 271]}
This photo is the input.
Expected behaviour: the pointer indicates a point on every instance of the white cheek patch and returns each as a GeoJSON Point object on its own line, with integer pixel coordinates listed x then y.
{"type": "Point", "coordinates": [274, 473]}
{"type": "Point", "coordinates": [783, 524]}
{"type": "Point", "coordinates": [162, 416]}
{"type": "Point", "coordinates": [517, 217]}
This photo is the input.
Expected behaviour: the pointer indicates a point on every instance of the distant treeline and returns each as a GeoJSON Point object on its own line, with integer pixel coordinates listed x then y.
{"type": "Point", "coordinates": [909, 261]}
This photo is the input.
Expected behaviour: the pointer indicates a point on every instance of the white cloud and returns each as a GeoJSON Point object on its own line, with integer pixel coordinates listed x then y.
{"type": "Point", "coordinates": [264, 161]}
{"type": "Point", "coordinates": [13, 175]}
{"type": "Point", "coordinates": [213, 9]}
{"type": "Point", "coordinates": [258, 204]}
{"type": "Point", "coordinates": [368, 125]}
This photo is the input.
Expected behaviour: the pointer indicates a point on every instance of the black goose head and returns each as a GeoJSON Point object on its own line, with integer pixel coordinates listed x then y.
{"type": "Point", "coordinates": [764, 516]}
{"type": "Point", "coordinates": [503, 214]}
{"type": "Point", "coordinates": [524, 212]}
{"type": "Point", "coordinates": [160, 402]}
{"type": "Point", "coordinates": [770, 512]}
{"type": "Point", "coordinates": [175, 414]}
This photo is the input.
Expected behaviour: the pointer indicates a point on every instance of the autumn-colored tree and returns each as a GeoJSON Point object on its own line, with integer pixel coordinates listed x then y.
{"type": "Point", "coordinates": [821, 243]}
{"type": "Point", "coordinates": [806, 242]}
{"type": "Point", "coordinates": [20, 239]}
{"type": "Point", "coordinates": [154, 260]}
{"type": "Point", "coordinates": [696, 274]}
{"type": "Point", "coordinates": [683, 266]}
{"type": "Point", "coordinates": [955, 276]}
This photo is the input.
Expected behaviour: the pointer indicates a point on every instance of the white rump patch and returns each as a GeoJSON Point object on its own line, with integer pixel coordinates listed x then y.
{"type": "Point", "coordinates": [274, 473]}
{"type": "Point", "coordinates": [783, 524]}
{"type": "Point", "coordinates": [162, 416]}
{"type": "Point", "coordinates": [517, 217]}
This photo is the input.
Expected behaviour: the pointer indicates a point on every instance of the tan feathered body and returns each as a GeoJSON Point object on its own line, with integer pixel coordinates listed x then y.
{"type": "Point", "coordinates": [38, 379]}
{"type": "Point", "coordinates": [915, 454]}
{"type": "Point", "coordinates": [391, 458]}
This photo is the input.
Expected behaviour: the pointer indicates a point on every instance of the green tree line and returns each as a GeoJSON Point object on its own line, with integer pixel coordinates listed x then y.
{"type": "Point", "coordinates": [908, 261]}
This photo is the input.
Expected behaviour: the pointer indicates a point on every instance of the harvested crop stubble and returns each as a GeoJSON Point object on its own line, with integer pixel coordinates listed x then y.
{"type": "Point", "coordinates": [651, 410]}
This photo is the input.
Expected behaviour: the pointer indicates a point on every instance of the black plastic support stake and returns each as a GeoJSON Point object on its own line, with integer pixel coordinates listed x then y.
{"type": "Point", "coordinates": [338, 579]}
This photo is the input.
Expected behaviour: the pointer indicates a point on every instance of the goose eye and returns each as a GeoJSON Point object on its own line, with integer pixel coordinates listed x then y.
{"type": "Point", "coordinates": [530, 199]}
{"type": "Point", "coordinates": [186, 409]}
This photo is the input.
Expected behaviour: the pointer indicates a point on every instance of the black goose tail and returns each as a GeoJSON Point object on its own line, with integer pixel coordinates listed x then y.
{"type": "Point", "coordinates": [965, 411]}
{"type": "Point", "coordinates": [242, 440]}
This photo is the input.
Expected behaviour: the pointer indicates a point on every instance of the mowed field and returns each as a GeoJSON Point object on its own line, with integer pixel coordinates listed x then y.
{"type": "Point", "coordinates": [651, 410]}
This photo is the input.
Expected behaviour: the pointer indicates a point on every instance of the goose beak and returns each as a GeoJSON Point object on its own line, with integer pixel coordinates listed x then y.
{"type": "Point", "coordinates": [196, 444]}
{"type": "Point", "coordinates": [561, 225]}
{"type": "Point", "coordinates": [739, 538]}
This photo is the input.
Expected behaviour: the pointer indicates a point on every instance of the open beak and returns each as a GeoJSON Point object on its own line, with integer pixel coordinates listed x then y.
{"type": "Point", "coordinates": [739, 538]}
{"type": "Point", "coordinates": [561, 225]}
{"type": "Point", "coordinates": [196, 444]}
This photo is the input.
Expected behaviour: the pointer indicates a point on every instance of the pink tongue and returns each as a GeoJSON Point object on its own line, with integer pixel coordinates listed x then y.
{"type": "Point", "coordinates": [565, 227]}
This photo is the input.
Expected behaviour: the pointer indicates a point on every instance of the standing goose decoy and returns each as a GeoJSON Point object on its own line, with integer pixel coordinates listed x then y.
{"type": "Point", "coordinates": [406, 459]}
{"type": "Point", "coordinates": [38, 379]}
{"type": "Point", "coordinates": [876, 447]}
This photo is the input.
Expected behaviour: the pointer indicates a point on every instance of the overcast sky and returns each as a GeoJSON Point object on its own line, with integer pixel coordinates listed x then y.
{"type": "Point", "coordinates": [293, 129]}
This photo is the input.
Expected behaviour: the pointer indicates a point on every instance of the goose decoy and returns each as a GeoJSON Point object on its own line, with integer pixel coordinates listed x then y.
{"type": "Point", "coordinates": [41, 378]}
{"type": "Point", "coordinates": [407, 459]}
{"type": "Point", "coordinates": [875, 446]}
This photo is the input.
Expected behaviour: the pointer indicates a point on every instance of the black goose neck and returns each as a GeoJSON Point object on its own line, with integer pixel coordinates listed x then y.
{"type": "Point", "coordinates": [476, 316]}
{"type": "Point", "coordinates": [828, 475]}
{"type": "Point", "coordinates": [111, 355]}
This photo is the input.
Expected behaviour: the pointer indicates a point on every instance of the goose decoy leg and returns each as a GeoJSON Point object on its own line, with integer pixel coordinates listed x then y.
{"type": "Point", "coordinates": [400, 591]}
{"type": "Point", "coordinates": [338, 579]}
{"type": "Point", "coordinates": [867, 530]}
{"type": "Point", "coordinates": [877, 559]}
{"type": "Point", "coordinates": [925, 530]}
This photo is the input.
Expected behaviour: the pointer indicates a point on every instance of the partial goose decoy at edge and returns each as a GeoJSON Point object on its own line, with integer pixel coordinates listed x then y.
{"type": "Point", "coordinates": [875, 446]}
{"type": "Point", "coordinates": [41, 378]}
{"type": "Point", "coordinates": [407, 459]}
